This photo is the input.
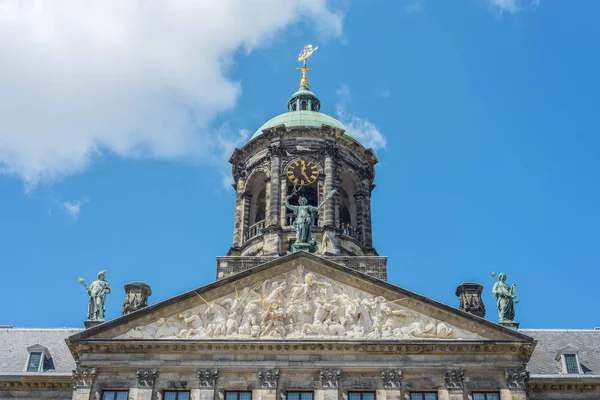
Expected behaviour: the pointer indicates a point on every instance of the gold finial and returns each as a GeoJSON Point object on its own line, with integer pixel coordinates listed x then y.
{"type": "Point", "coordinates": [302, 57]}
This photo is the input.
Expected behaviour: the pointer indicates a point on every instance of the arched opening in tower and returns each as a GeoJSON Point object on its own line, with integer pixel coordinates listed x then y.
{"type": "Point", "coordinates": [347, 211]}
{"type": "Point", "coordinates": [256, 205]}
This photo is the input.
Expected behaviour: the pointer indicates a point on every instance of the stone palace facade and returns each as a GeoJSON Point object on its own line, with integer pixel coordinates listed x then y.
{"type": "Point", "coordinates": [279, 324]}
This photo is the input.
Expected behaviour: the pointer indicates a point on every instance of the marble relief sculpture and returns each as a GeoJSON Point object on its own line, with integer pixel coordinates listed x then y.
{"type": "Point", "coordinates": [298, 305]}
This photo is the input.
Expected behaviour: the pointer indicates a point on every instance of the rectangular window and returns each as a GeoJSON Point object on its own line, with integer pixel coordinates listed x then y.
{"type": "Point", "coordinates": [571, 362]}
{"type": "Point", "coordinates": [238, 395]}
{"type": "Point", "coordinates": [423, 396]}
{"type": "Point", "coordinates": [299, 395]}
{"type": "Point", "coordinates": [486, 396]}
{"type": "Point", "coordinates": [115, 395]}
{"type": "Point", "coordinates": [361, 395]}
{"type": "Point", "coordinates": [176, 395]}
{"type": "Point", "coordinates": [34, 362]}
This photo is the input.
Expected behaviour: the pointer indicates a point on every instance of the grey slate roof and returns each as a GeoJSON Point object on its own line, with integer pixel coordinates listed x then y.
{"type": "Point", "coordinates": [15, 341]}
{"type": "Point", "coordinates": [550, 341]}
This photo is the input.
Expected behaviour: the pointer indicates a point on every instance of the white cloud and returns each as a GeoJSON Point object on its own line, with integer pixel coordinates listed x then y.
{"type": "Point", "coordinates": [139, 78]}
{"type": "Point", "coordinates": [362, 130]}
{"type": "Point", "coordinates": [512, 6]}
{"type": "Point", "coordinates": [227, 143]}
{"type": "Point", "coordinates": [73, 208]}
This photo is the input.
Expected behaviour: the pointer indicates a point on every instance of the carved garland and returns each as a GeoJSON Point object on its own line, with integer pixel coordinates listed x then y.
{"type": "Point", "coordinates": [392, 378]}
{"type": "Point", "coordinates": [517, 378]}
{"type": "Point", "coordinates": [83, 377]}
{"type": "Point", "coordinates": [268, 378]}
{"type": "Point", "coordinates": [454, 378]}
{"type": "Point", "coordinates": [330, 378]}
{"type": "Point", "coordinates": [146, 377]}
{"type": "Point", "coordinates": [208, 377]}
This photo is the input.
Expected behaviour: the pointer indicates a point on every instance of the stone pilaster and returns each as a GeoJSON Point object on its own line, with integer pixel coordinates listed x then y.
{"type": "Point", "coordinates": [82, 379]}
{"type": "Point", "coordinates": [330, 382]}
{"type": "Point", "coordinates": [392, 382]}
{"type": "Point", "coordinates": [274, 199]}
{"type": "Point", "coordinates": [329, 207]}
{"type": "Point", "coordinates": [518, 382]}
{"type": "Point", "coordinates": [366, 230]}
{"type": "Point", "coordinates": [246, 200]}
{"type": "Point", "coordinates": [145, 383]}
{"type": "Point", "coordinates": [238, 223]}
{"type": "Point", "coordinates": [455, 383]}
{"type": "Point", "coordinates": [208, 382]}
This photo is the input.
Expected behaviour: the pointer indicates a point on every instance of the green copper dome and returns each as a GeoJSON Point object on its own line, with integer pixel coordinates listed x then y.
{"type": "Point", "coordinates": [312, 119]}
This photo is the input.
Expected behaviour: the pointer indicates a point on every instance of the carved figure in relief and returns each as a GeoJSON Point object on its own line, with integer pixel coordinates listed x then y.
{"type": "Point", "coordinates": [217, 315]}
{"type": "Point", "coordinates": [195, 326]}
{"type": "Point", "coordinates": [296, 305]}
{"type": "Point", "coordinates": [166, 328]}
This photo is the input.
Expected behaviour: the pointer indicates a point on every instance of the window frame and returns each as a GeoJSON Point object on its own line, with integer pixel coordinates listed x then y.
{"type": "Point", "coordinates": [237, 397]}
{"type": "Point", "coordinates": [40, 362]}
{"type": "Point", "coordinates": [575, 359]}
{"type": "Point", "coordinates": [486, 394]}
{"type": "Point", "coordinates": [299, 391]}
{"type": "Point", "coordinates": [423, 393]}
{"type": "Point", "coordinates": [114, 391]}
{"type": "Point", "coordinates": [361, 392]}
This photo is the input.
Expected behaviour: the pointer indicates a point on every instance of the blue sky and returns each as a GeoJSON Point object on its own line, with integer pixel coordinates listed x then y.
{"type": "Point", "coordinates": [114, 143]}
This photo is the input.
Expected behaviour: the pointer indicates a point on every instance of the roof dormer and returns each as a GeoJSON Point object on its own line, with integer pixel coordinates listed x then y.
{"type": "Point", "coordinates": [39, 359]}
{"type": "Point", "coordinates": [568, 357]}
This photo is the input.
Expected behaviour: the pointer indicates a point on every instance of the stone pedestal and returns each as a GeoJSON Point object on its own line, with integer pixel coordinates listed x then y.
{"type": "Point", "coordinates": [510, 324]}
{"type": "Point", "coordinates": [136, 296]}
{"type": "Point", "coordinates": [90, 324]}
{"type": "Point", "coordinates": [308, 247]}
{"type": "Point", "coordinates": [469, 294]}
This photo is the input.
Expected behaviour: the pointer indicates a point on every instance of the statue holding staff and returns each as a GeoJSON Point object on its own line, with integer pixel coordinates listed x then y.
{"type": "Point", "coordinates": [506, 297]}
{"type": "Point", "coordinates": [97, 292]}
{"type": "Point", "coordinates": [304, 220]}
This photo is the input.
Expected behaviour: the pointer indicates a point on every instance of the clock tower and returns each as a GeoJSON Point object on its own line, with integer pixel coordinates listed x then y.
{"type": "Point", "coordinates": [304, 154]}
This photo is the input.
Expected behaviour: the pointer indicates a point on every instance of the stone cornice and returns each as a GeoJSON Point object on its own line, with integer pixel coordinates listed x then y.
{"type": "Point", "coordinates": [37, 383]}
{"type": "Point", "coordinates": [519, 350]}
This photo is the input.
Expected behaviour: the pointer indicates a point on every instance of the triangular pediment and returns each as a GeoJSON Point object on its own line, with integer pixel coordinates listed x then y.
{"type": "Point", "coordinates": [300, 297]}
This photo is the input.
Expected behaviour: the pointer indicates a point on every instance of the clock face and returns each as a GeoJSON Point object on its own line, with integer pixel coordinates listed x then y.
{"type": "Point", "coordinates": [302, 172]}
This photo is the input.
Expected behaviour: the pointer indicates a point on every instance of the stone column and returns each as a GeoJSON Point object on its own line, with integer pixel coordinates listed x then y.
{"type": "Point", "coordinates": [392, 382]}
{"type": "Point", "coordinates": [366, 230]}
{"type": "Point", "coordinates": [82, 379]}
{"type": "Point", "coordinates": [455, 384]}
{"type": "Point", "coordinates": [469, 294]}
{"type": "Point", "coordinates": [518, 381]}
{"type": "Point", "coordinates": [145, 382]}
{"type": "Point", "coordinates": [275, 196]}
{"type": "Point", "coordinates": [208, 382]}
{"type": "Point", "coordinates": [329, 207]}
{"type": "Point", "coordinates": [330, 381]}
{"type": "Point", "coordinates": [238, 223]}
{"type": "Point", "coordinates": [282, 208]}
{"type": "Point", "coordinates": [359, 199]}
